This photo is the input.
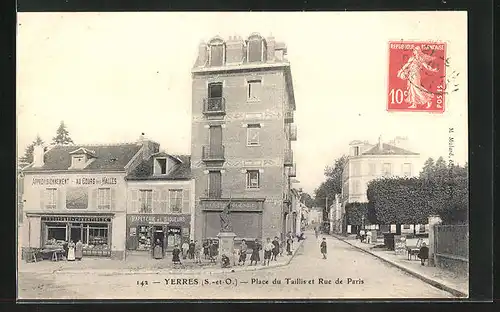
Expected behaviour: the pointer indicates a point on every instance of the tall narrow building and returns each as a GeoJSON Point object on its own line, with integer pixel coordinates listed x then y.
{"type": "Point", "coordinates": [242, 127]}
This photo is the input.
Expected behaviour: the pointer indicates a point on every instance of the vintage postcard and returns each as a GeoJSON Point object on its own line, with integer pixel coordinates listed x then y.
{"type": "Point", "coordinates": [299, 155]}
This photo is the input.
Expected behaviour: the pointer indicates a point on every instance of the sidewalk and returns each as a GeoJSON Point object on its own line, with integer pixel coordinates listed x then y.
{"type": "Point", "coordinates": [440, 278]}
{"type": "Point", "coordinates": [145, 265]}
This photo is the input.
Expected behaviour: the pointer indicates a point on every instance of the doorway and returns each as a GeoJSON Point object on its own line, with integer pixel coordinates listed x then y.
{"type": "Point", "coordinates": [159, 235]}
{"type": "Point", "coordinates": [76, 230]}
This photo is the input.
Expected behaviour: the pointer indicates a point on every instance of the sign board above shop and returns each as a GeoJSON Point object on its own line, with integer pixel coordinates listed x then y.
{"type": "Point", "coordinates": [75, 181]}
{"type": "Point", "coordinates": [159, 219]}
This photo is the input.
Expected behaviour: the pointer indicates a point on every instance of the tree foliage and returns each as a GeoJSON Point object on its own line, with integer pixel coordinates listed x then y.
{"type": "Point", "coordinates": [357, 213]}
{"type": "Point", "coordinates": [62, 135]}
{"type": "Point", "coordinates": [27, 158]}
{"type": "Point", "coordinates": [333, 183]}
{"type": "Point", "coordinates": [441, 189]}
{"type": "Point", "coordinates": [307, 199]}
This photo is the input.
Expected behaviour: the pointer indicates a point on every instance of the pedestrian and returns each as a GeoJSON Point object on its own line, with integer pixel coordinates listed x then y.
{"type": "Point", "coordinates": [79, 250]}
{"type": "Point", "coordinates": [197, 252]}
{"type": "Point", "coordinates": [185, 248]}
{"type": "Point", "coordinates": [158, 250]}
{"type": "Point", "coordinates": [323, 248]}
{"type": "Point", "coordinates": [205, 249]}
{"type": "Point", "coordinates": [369, 237]}
{"type": "Point", "coordinates": [289, 243]}
{"type": "Point", "coordinates": [423, 253]}
{"type": "Point", "coordinates": [175, 255]}
{"type": "Point", "coordinates": [268, 249]}
{"type": "Point", "coordinates": [276, 248]}
{"type": "Point", "coordinates": [243, 253]}
{"type": "Point", "coordinates": [71, 251]}
{"type": "Point", "coordinates": [212, 251]}
{"type": "Point", "coordinates": [191, 250]}
{"type": "Point", "coordinates": [316, 232]}
{"type": "Point", "coordinates": [255, 252]}
{"type": "Point", "coordinates": [362, 235]}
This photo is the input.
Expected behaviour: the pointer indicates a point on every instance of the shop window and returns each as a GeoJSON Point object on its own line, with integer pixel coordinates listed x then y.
{"type": "Point", "coordinates": [56, 234]}
{"type": "Point", "coordinates": [146, 201]}
{"type": "Point", "coordinates": [253, 132]}
{"type": "Point", "coordinates": [253, 179]}
{"type": "Point", "coordinates": [254, 90]}
{"type": "Point", "coordinates": [175, 201]}
{"type": "Point", "coordinates": [144, 237]}
{"type": "Point", "coordinates": [104, 199]}
{"type": "Point", "coordinates": [51, 195]}
{"type": "Point", "coordinates": [97, 235]}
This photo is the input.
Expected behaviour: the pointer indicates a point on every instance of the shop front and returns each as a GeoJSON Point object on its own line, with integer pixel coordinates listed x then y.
{"type": "Point", "coordinates": [94, 231]}
{"type": "Point", "coordinates": [144, 231]}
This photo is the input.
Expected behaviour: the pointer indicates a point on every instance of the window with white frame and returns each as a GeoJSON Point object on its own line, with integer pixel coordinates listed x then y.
{"type": "Point", "coordinates": [253, 132]}
{"type": "Point", "coordinates": [51, 197]}
{"type": "Point", "coordinates": [253, 179]}
{"type": "Point", "coordinates": [356, 169]}
{"type": "Point", "coordinates": [407, 169]}
{"type": "Point", "coordinates": [175, 201]}
{"type": "Point", "coordinates": [387, 169]}
{"type": "Point", "coordinates": [356, 187]}
{"type": "Point", "coordinates": [104, 199]}
{"type": "Point", "coordinates": [372, 169]}
{"type": "Point", "coordinates": [254, 89]}
{"type": "Point", "coordinates": [146, 201]}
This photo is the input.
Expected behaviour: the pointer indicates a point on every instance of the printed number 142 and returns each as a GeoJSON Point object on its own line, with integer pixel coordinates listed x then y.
{"type": "Point", "coordinates": [397, 96]}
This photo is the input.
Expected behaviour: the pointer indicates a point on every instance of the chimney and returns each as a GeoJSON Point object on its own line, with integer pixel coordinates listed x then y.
{"type": "Point", "coordinates": [380, 143]}
{"type": "Point", "coordinates": [148, 147]}
{"type": "Point", "coordinates": [235, 51]}
{"type": "Point", "coordinates": [271, 44]}
{"type": "Point", "coordinates": [38, 156]}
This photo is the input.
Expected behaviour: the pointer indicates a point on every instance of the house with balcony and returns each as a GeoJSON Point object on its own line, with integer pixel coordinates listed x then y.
{"type": "Point", "coordinates": [242, 128]}
{"type": "Point", "coordinates": [367, 162]}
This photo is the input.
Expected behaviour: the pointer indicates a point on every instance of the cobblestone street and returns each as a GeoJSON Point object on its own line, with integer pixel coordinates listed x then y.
{"type": "Point", "coordinates": [362, 276]}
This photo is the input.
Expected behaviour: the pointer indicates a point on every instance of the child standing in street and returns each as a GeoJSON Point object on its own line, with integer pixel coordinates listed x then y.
{"type": "Point", "coordinates": [323, 248]}
{"type": "Point", "coordinates": [268, 249]}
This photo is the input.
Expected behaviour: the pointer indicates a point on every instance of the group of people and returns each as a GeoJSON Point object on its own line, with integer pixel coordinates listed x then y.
{"type": "Point", "coordinates": [271, 250]}
{"type": "Point", "coordinates": [193, 251]}
{"type": "Point", "coordinates": [72, 251]}
{"type": "Point", "coordinates": [365, 236]}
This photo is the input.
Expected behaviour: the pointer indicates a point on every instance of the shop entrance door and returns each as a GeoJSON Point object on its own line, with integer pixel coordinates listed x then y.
{"type": "Point", "coordinates": [159, 235]}
{"type": "Point", "coordinates": [173, 237]}
{"type": "Point", "coordinates": [76, 232]}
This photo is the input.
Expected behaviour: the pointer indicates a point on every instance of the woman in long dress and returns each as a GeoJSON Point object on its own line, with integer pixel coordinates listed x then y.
{"type": "Point", "coordinates": [411, 71]}
{"type": "Point", "coordinates": [255, 252]}
{"type": "Point", "coordinates": [79, 250]}
{"type": "Point", "coordinates": [71, 251]}
{"type": "Point", "coordinates": [175, 255]}
{"type": "Point", "coordinates": [158, 250]}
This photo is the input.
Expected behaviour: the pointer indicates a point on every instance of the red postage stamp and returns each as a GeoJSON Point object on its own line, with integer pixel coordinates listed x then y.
{"type": "Point", "coordinates": [417, 76]}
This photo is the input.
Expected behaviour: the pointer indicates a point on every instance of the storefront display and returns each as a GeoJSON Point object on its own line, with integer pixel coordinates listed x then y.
{"type": "Point", "coordinates": [144, 238]}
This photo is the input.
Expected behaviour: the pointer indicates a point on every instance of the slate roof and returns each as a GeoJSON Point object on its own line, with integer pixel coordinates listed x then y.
{"type": "Point", "coordinates": [388, 149]}
{"type": "Point", "coordinates": [107, 157]}
{"type": "Point", "coordinates": [144, 171]}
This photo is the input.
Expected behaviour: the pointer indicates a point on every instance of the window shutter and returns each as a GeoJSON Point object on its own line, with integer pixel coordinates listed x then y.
{"type": "Point", "coordinates": [134, 202]}
{"type": "Point", "coordinates": [113, 199]}
{"type": "Point", "coordinates": [156, 201]}
{"type": "Point", "coordinates": [185, 201]}
{"type": "Point", "coordinates": [94, 203]}
{"type": "Point", "coordinates": [42, 198]}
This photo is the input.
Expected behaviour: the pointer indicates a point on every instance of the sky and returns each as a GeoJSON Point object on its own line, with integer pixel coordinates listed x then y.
{"type": "Point", "coordinates": [112, 76]}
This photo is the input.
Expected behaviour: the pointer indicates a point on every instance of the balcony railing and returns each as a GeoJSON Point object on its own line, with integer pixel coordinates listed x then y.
{"type": "Point", "coordinates": [293, 170]}
{"type": "Point", "coordinates": [289, 116]}
{"type": "Point", "coordinates": [293, 132]}
{"type": "Point", "coordinates": [213, 153]}
{"type": "Point", "coordinates": [288, 161]}
{"type": "Point", "coordinates": [214, 106]}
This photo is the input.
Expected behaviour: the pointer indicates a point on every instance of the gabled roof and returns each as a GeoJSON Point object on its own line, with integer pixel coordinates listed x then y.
{"type": "Point", "coordinates": [144, 171]}
{"type": "Point", "coordinates": [83, 150]}
{"type": "Point", "coordinates": [388, 149]}
{"type": "Point", "coordinates": [107, 157]}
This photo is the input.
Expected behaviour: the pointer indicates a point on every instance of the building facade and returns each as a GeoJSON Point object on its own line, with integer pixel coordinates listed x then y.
{"type": "Point", "coordinates": [79, 192]}
{"type": "Point", "coordinates": [242, 129]}
{"type": "Point", "coordinates": [160, 203]}
{"type": "Point", "coordinates": [367, 162]}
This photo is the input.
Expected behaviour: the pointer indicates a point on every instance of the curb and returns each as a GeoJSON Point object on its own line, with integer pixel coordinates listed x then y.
{"type": "Point", "coordinates": [439, 285]}
{"type": "Point", "coordinates": [179, 272]}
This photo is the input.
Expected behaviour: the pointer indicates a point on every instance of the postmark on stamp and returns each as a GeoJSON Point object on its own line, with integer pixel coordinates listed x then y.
{"type": "Point", "coordinates": [417, 76]}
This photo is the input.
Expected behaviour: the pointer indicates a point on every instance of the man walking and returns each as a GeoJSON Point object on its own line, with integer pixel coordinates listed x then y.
{"type": "Point", "coordinates": [268, 248]}
{"type": "Point", "coordinates": [323, 248]}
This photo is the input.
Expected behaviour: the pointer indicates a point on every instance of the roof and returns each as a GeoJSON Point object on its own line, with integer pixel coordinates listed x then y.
{"type": "Point", "coordinates": [388, 149]}
{"type": "Point", "coordinates": [144, 171]}
{"type": "Point", "coordinates": [107, 157]}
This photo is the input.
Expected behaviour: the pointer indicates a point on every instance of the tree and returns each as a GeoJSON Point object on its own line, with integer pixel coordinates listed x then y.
{"type": "Point", "coordinates": [307, 199]}
{"type": "Point", "coordinates": [357, 213]}
{"type": "Point", "coordinates": [332, 185]}
{"type": "Point", "coordinates": [62, 135]}
{"type": "Point", "coordinates": [428, 169]}
{"type": "Point", "coordinates": [27, 158]}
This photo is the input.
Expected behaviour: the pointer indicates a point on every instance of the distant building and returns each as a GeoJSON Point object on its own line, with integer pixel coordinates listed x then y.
{"type": "Point", "coordinates": [315, 216]}
{"type": "Point", "coordinates": [367, 162]}
{"type": "Point", "coordinates": [242, 127]}
{"type": "Point", "coordinates": [335, 215]}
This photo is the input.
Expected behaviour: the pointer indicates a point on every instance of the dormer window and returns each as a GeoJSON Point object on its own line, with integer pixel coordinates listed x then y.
{"type": "Point", "coordinates": [81, 157]}
{"type": "Point", "coordinates": [256, 49]}
{"type": "Point", "coordinates": [160, 166]}
{"type": "Point", "coordinates": [216, 52]}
